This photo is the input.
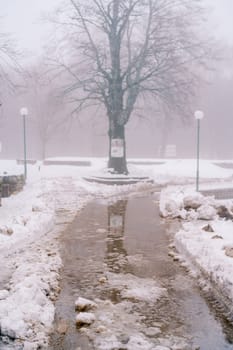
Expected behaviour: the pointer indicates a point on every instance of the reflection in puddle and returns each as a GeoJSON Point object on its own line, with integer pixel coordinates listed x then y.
{"type": "Point", "coordinates": [116, 256]}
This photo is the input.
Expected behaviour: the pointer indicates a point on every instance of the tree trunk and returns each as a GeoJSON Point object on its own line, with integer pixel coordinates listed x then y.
{"type": "Point", "coordinates": [117, 150]}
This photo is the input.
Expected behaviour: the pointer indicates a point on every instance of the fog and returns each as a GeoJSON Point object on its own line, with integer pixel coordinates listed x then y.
{"type": "Point", "coordinates": [86, 135]}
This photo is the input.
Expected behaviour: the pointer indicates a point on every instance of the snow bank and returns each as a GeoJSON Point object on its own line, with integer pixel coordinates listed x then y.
{"type": "Point", "coordinates": [24, 215]}
{"type": "Point", "coordinates": [27, 309]}
{"type": "Point", "coordinates": [26, 303]}
{"type": "Point", "coordinates": [207, 248]}
{"type": "Point", "coordinates": [30, 253]}
{"type": "Point", "coordinates": [185, 203]}
{"type": "Point", "coordinates": [207, 252]}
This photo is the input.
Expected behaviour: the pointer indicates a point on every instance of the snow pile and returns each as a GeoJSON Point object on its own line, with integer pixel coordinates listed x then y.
{"type": "Point", "coordinates": [207, 248]}
{"type": "Point", "coordinates": [31, 254]}
{"type": "Point", "coordinates": [82, 304]}
{"type": "Point", "coordinates": [26, 307]}
{"type": "Point", "coordinates": [207, 252]}
{"type": "Point", "coordinates": [24, 215]}
{"type": "Point", "coordinates": [185, 203]}
{"type": "Point", "coordinates": [84, 318]}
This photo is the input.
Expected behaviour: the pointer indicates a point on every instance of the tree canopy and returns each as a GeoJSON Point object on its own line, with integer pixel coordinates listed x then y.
{"type": "Point", "coordinates": [117, 52]}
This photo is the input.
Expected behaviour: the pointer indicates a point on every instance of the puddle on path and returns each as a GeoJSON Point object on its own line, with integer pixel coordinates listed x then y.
{"type": "Point", "coordinates": [128, 238]}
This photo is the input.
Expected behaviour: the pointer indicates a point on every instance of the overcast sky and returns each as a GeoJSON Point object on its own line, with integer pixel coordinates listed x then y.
{"type": "Point", "coordinates": [22, 19]}
{"type": "Point", "coordinates": [222, 18]}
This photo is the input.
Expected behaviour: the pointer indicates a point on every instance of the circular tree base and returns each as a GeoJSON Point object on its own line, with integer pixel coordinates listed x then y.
{"type": "Point", "coordinates": [118, 180]}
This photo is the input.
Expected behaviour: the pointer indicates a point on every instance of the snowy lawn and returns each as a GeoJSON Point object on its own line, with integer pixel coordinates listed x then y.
{"type": "Point", "coordinates": [29, 251]}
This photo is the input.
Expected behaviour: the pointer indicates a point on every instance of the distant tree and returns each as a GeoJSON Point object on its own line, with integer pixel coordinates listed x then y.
{"type": "Point", "coordinates": [46, 106]}
{"type": "Point", "coordinates": [9, 63]}
{"type": "Point", "coordinates": [11, 73]}
{"type": "Point", "coordinates": [121, 51]}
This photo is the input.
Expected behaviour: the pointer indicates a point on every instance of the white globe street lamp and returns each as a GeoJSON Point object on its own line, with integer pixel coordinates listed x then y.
{"type": "Point", "coordinates": [198, 116]}
{"type": "Point", "coordinates": [24, 114]}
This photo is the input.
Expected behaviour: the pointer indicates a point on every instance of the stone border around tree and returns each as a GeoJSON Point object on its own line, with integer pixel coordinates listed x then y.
{"type": "Point", "coordinates": [114, 180]}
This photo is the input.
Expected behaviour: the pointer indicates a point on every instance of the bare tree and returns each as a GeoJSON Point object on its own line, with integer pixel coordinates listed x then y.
{"type": "Point", "coordinates": [9, 63]}
{"type": "Point", "coordinates": [121, 51]}
{"type": "Point", "coordinates": [46, 106]}
{"type": "Point", "coordinates": [10, 73]}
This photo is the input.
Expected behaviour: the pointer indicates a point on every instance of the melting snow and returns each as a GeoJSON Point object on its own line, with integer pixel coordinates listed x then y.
{"type": "Point", "coordinates": [30, 254]}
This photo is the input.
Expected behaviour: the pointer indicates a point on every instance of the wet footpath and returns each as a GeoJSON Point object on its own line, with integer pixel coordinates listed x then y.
{"type": "Point", "coordinates": [116, 254]}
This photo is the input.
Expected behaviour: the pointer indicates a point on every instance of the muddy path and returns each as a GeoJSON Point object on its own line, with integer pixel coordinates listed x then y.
{"type": "Point", "coordinates": [116, 254]}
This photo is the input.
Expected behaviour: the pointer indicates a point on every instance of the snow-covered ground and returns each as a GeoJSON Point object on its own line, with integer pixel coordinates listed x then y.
{"type": "Point", "coordinates": [29, 227]}
{"type": "Point", "coordinates": [205, 240]}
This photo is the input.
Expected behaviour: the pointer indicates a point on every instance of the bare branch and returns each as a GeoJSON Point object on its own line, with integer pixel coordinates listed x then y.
{"type": "Point", "coordinates": [122, 50]}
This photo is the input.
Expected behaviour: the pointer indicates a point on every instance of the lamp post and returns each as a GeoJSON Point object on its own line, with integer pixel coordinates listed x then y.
{"type": "Point", "coordinates": [24, 113]}
{"type": "Point", "coordinates": [198, 116]}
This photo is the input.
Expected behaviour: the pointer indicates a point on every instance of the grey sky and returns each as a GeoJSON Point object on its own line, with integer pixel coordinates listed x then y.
{"type": "Point", "coordinates": [221, 16]}
{"type": "Point", "coordinates": [22, 19]}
